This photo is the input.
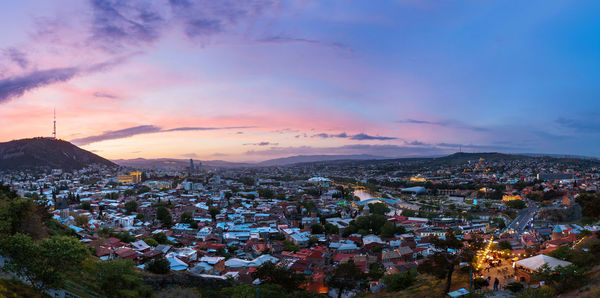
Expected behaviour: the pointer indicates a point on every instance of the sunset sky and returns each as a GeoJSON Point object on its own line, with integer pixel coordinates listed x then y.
{"type": "Point", "coordinates": [252, 80]}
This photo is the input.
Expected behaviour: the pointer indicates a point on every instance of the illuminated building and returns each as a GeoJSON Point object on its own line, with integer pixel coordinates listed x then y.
{"type": "Point", "coordinates": [133, 177]}
{"type": "Point", "coordinates": [506, 198]}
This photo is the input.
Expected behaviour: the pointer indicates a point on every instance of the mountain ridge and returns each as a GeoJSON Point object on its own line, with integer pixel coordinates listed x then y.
{"type": "Point", "coordinates": [48, 153]}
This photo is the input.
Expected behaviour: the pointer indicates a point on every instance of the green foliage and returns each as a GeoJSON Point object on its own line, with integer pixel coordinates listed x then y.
{"type": "Point", "coordinates": [562, 279]}
{"type": "Point", "coordinates": [399, 281]}
{"type": "Point", "coordinates": [346, 277]}
{"type": "Point", "coordinates": [43, 264]}
{"type": "Point", "coordinates": [516, 204]}
{"type": "Point", "coordinates": [140, 217]}
{"type": "Point", "coordinates": [161, 238]}
{"type": "Point", "coordinates": [504, 245]}
{"type": "Point", "coordinates": [589, 205]}
{"type": "Point", "coordinates": [119, 278]}
{"type": "Point", "coordinates": [213, 211]}
{"type": "Point", "coordinates": [379, 208]}
{"type": "Point", "coordinates": [331, 229]}
{"type": "Point", "coordinates": [125, 237]}
{"type": "Point", "coordinates": [515, 287]}
{"type": "Point", "coordinates": [15, 289]}
{"type": "Point", "coordinates": [371, 224]}
{"type": "Point", "coordinates": [286, 278]}
{"type": "Point", "coordinates": [85, 206]}
{"type": "Point", "coordinates": [541, 292]}
{"type": "Point", "coordinates": [131, 207]}
{"type": "Point", "coordinates": [187, 218]}
{"type": "Point", "coordinates": [290, 246]}
{"type": "Point", "coordinates": [151, 242]}
{"type": "Point", "coordinates": [317, 229]}
{"type": "Point", "coordinates": [249, 181]}
{"type": "Point", "coordinates": [265, 193]}
{"type": "Point", "coordinates": [159, 266]}
{"type": "Point", "coordinates": [578, 257]}
{"type": "Point", "coordinates": [248, 291]}
{"type": "Point", "coordinates": [81, 220]}
{"type": "Point", "coordinates": [143, 189]}
{"type": "Point", "coordinates": [164, 216]}
{"type": "Point", "coordinates": [313, 240]}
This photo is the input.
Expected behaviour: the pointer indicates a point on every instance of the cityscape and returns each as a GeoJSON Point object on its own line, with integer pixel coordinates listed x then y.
{"type": "Point", "coordinates": [292, 149]}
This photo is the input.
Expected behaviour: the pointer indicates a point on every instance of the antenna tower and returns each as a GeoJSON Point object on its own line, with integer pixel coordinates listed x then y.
{"type": "Point", "coordinates": [54, 130]}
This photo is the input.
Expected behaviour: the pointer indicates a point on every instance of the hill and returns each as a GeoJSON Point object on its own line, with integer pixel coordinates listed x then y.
{"type": "Point", "coordinates": [46, 153]}
{"type": "Point", "coordinates": [173, 163]}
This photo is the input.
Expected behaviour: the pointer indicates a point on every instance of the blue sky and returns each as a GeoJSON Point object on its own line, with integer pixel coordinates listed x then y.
{"type": "Point", "coordinates": [268, 78]}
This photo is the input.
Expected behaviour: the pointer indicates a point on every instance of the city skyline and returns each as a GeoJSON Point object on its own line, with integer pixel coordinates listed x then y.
{"type": "Point", "coordinates": [265, 79]}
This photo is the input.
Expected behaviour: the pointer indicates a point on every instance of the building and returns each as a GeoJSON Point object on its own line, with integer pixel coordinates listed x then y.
{"type": "Point", "coordinates": [133, 177]}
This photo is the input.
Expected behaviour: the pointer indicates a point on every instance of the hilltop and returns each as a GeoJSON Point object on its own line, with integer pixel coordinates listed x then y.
{"type": "Point", "coordinates": [46, 153]}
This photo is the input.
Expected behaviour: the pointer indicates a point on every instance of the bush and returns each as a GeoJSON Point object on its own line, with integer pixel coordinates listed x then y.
{"type": "Point", "coordinates": [159, 266]}
{"type": "Point", "coordinates": [400, 281]}
{"type": "Point", "coordinates": [515, 287]}
{"type": "Point", "coordinates": [151, 242]}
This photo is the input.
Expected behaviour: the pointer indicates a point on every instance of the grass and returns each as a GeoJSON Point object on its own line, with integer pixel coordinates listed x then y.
{"type": "Point", "coordinates": [428, 286]}
{"type": "Point", "coordinates": [13, 288]}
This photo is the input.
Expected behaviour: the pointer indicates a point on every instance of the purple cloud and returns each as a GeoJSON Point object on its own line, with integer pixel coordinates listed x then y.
{"type": "Point", "coordinates": [17, 86]}
{"type": "Point", "coordinates": [357, 137]}
{"type": "Point", "coordinates": [138, 130]}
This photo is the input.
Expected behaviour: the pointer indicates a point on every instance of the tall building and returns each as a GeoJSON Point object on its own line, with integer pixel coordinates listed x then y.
{"type": "Point", "coordinates": [133, 177]}
{"type": "Point", "coordinates": [191, 165]}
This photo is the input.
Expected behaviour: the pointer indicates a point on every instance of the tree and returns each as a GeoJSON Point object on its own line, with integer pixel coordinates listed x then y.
{"type": "Point", "coordinates": [317, 229]}
{"type": "Point", "coordinates": [151, 242]}
{"type": "Point", "coordinates": [194, 225]}
{"type": "Point", "coordinates": [286, 278]}
{"type": "Point", "coordinates": [504, 245]}
{"type": "Point", "coordinates": [131, 207]}
{"type": "Point", "coordinates": [82, 220]}
{"type": "Point", "coordinates": [345, 277]}
{"type": "Point", "coordinates": [379, 208]}
{"type": "Point", "coordinates": [159, 266]}
{"type": "Point", "coordinates": [331, 229]}
{"type": "Point", "coordinates": [388, 230]}
{"type": "Point", "coordinates": [187, 218]}
{"type": "Point", "coordinates": [562, 279]}
{"type": "Point", "coordinates": [164, 216]}
{"type": "Point", "coordinates": [399, 281]}
{"type": "Point", "coordinates": [85, 205]}
{"type": "Point", "coordinates": [515, 204]}
{"type": "Point", "coordinates": [265, 193]}
{"type": "Point", "coordinates": [213, 214]}
{"type": "Point", "coordinates": [118, 278]}
{"type": "Point", "coordinates": [313, 240]}
{"type": "Point", "coordinates": [290, 246]}
{"type": "Point", "coordinates": [161, 238]}
{"type": "Point", "coordinates": [449, 253]}
{"type": "Point", "coordinates": [43, 264]}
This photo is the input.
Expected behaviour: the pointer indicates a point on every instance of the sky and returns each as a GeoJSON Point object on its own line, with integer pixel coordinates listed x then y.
{"type": "Point", "coordinates": [258, 79]}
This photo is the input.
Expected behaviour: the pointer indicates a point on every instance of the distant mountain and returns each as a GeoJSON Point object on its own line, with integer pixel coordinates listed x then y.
{"type": "Point", "coordinates": [314, 158]}
{"type": "Point", "coordinates": [173, 163]}
{"type": "Point", "coordinates": [176, 164]}
{"type": "Point", "coordinates": [46, 153]}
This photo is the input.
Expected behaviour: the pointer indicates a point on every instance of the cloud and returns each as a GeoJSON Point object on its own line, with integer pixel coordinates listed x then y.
{"type": "Point", "coordinates": [580, 126]}
{"type": "Point", "coordinates": [357, 137]}
{"type": "Point", "coordinates": [105, 95]}
{"type": "Point", "coordinates": [353, 149]}
{"type": "Point", "coordinates": [13, 87]}
{"type": "Point", "coordinates": [138, 130]}
{"type": "Point", "coordinates": [17, 86]}
{"type": "Point", "coordinates": [447, 123]}
{"type": "Point", "coordinates": [288, 39]}
{"type": "Point", "coordinates": [121, 23]}
{"type": "Point", "coordinates": [261, 144]}
{"type": "Point", "coordinates": [117, 134]}
{"type": "Point", "coordinates": [17, 56]}
{"type": "Point", "coordinates": [362, 137]}
{"type": "Point", "coordinates": [206, 128]}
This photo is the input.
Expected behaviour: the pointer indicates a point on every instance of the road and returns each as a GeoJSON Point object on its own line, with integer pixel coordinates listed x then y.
{"type": "Point", "coordinates": [524, 219]}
